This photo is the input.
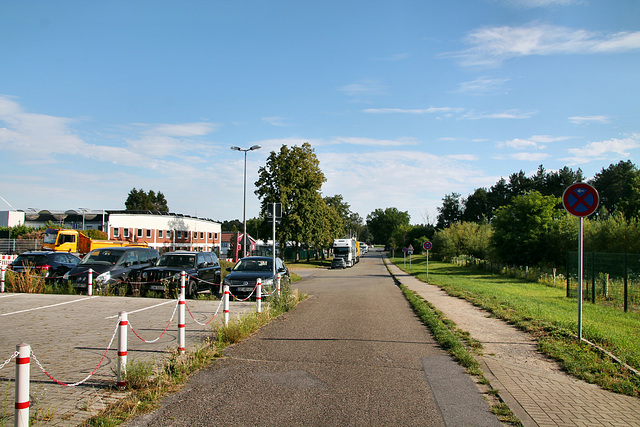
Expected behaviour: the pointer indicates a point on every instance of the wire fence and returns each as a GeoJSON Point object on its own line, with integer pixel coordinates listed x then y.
{"type": "Point", "coordinates": [17, 246]}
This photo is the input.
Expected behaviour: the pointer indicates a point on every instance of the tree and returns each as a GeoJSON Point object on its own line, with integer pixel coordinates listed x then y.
{"type": "Point", "coordinates": [293, 177]}
{"type": "Point", "coordinates": [341, 208]}
{"type": "Point", "coordinates": [522, 230]}
{"type": "Point", "coordinates": [139, 200]}
{"type": "Point", "coordinates": [476, 207]}
{"type": "Point", "coordinates": [383, 223]}
{"type": "Point", "coordinates": [619, 189]}
{"type": "Point", "coordinates": [450, 212]}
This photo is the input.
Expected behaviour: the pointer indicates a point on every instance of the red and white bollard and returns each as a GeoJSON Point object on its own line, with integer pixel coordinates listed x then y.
{"type": "Point", "coordinates": [90, 283]}
{"type": "Point", "coordinates": [23, 374]}
{"type": "Point", "coordinates": [225, 305]}
{"type": "Point", "coordinates": [181, 323]}
{"type": "Point", "coordinates": [278, 277]}
{"type": "Point", "coordinates": [183, 277]}
{"type": "Point", "coordinates": [2, 279]}
{"type": "Point", "coordinates": [259, 294]}
{"type": "Point", "coordinates": [122, 350]}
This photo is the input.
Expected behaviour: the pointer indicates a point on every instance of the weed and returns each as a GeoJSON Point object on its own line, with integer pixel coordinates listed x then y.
{"type": "Point", "coordinates": [504, 414]}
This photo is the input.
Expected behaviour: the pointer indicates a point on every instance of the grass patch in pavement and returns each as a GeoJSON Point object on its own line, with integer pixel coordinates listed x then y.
{"type": "Point", "coordinates": [145, 390]}
{"type": "Point", "coordinates": [552, 319]}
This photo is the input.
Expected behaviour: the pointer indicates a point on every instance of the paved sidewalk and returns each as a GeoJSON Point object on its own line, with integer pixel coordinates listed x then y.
{"type": "Point", "coordinates": [534, 387]}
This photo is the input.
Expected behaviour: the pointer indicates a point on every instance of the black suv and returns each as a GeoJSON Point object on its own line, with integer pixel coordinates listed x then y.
{"type": "Point", "coordinates": [243, 276]}
{"type": "Point", "coordinates": [113, 268]}
{"type": "Point", "coordinates": [202, 273]}
{"type": "Point", "coordinates": [52, 265]}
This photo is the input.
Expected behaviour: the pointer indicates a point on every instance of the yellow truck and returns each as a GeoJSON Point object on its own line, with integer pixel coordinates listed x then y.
{"type": "Point", "coordinates": [64, 240]}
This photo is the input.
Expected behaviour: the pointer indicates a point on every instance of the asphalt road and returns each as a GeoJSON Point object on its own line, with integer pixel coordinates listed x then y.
{"type": "Point", "coordinates": [354, 353]}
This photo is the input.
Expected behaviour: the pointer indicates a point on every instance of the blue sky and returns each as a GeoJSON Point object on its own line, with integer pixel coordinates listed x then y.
{"type": "Point", "coordinates": [402, 101]}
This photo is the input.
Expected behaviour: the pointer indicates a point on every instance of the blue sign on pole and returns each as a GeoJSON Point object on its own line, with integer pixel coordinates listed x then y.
{"type": "Point", "coordinates": [580, 199]}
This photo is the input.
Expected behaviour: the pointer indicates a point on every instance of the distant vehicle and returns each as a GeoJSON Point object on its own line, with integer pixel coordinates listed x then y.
{"type": "Point", "coordinates": [202, 271]}
{"type": "Point", "coordinates": [346, 249]}
{"type": "Point", "coordinates": [112, 267]}
{"type": "Point", "coordinates": [73, 241]}
{"type": "Point", "coordinates": [52, 265]}
{"type": "Point", "coordinates": [337, 262]}
{"type": "Point", "coordinates": [243, 276]}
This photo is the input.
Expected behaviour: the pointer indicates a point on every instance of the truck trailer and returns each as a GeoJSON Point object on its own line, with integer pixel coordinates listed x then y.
{"type": "Point", "coordinates": [347, 250]}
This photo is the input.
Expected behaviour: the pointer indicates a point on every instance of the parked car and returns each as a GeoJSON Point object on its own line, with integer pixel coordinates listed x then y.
{"type": "Point", "coordinates": [338, 262]}
{"type": "Point", "coordinates": [112, 267]}
{"type": "Point", "coordinates": [52, 265]}
{"type": "Point", "coordinates": [243, 276]}
{"type": "Point", "coordinates": [202, 273]}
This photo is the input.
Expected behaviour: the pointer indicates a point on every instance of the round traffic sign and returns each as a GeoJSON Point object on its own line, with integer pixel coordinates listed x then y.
{"type": "Point", "coordinates": [580, 199]}
{"type": "Point", "coordinates": [405, 249]}
{"type": "Point", "coordinates": [426, 246]}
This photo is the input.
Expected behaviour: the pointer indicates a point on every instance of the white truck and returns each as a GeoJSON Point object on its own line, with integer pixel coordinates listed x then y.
{"type": "Point", "coordinates": [345, 249]}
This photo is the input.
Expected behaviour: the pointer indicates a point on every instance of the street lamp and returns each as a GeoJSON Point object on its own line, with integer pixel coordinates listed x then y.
{"type": "Point", "coordinates": [244, 213]}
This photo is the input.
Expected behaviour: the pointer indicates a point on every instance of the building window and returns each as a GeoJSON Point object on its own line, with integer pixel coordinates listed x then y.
{"type": "Point", "coordinates": [139, 232]}
{"type": "Point", "coordinates": [215, 235]}
{"type": "Point", "coordinates": [202, 235]}
{"type": "Point", "coordinates": [116, 232]}
{"type": "Point", "coordinates": [148, 234]}
{"type": "Point", "coordinates": [168, 234]}
{"type": "Point", "coordinates": [160, 233]}
{"type": "Point", "coordinates": [210, 236]}
{"type": "Point", "coordinates": [126, 233]}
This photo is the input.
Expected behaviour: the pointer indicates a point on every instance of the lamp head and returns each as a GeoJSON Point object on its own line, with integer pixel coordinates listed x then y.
{"type": "Point", "coordinates": [255, 147]}
{"type": "Point", "coordinates": [236, 148]}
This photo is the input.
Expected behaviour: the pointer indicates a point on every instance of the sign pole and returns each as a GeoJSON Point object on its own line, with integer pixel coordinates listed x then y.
{"type": "Point", "coordinates": [427, 265]}
{"type": "Point", "coordinates": [580, 275]}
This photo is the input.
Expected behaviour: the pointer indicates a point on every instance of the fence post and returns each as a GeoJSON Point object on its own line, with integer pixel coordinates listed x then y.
{"type": "Point", "coordinates": [626, 284]}
{"type": "Point", "coordinates": [605, 291]}
{"type": "Point", "coordinates": [225, 305]}
{"type": "Point", "coordinates": [568, 281]}
{"type": "Point", "coordinates": [2, 272]}
{"type": "Point", "coordinates": [593, 277]}
{"type": "Point", "coordinates": [121, 369]}
{"type": "Point", "coordinates": [278, 279]}
{"type": "Point", "coordinates": [90, 283]}
{"type": "Point", "coordinates": [259, 294]}
{"type": "Point", "coordinates": [181, 323]}
{"type": "Point", "coordinates": [183, 276]}
{"type": "Point", "coordinates": [23, 374]}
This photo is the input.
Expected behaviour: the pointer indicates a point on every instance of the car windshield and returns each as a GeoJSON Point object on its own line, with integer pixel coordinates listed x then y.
{"type": "Point", "coordinates": [341, 250]}
{"type": "Point", "coordinates": [31, 260]}
{"type": "Point", "coordinates": [174, 260]}
{"type": "Point", "coordinates": [50, 236]}
{"type": "Point", "coordinates": [103, 256]}
{"type": "Point", "coordinates": [253, 265]}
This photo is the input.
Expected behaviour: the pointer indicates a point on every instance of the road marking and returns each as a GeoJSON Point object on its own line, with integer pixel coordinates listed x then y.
{"type": "Point", "coordinates": [8, 295]}
{"type": "Point", "coordinates": [48, 306]}
{"type": "Point", "coordinates": [143, 309]}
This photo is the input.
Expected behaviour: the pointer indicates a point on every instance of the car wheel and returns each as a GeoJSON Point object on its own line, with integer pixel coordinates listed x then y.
{"type": "Point", "coordinates": [192, 289]}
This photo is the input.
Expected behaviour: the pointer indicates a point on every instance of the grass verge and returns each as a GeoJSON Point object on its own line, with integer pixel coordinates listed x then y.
{"type": "Point", "coordinates": [145, 390]}
{"type": "Point", "coordinates": [551, 318]}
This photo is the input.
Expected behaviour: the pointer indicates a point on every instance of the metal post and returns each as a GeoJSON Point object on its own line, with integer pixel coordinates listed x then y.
{"type": "Point", "coordinates": [225, 305]}
{"type": "Point", "coordinates": [427, 265]}
{"type": "Point", "coordinates": [181, 323]}
{"type": "Point", "coordinates": [90, 283]}
{"type": "Point", "coordinates": [580, 271]}
{"type": "Point", "coordinates": [278, 278]}
{"type": "Point", "coordinates": [259, 294]}
{"type": "Point", "coordinates": [2, 273]}
{"type": "Point", "coordinates": [626, 284]}
{"type": "Point", "coordinates": [244, 210]}
{"type": "Point", "coordinates": [183, 276]}
{"type": "Point", "coordinates": [273, 267]}
{"type": "Point", "coordinates": [121, 369]}
{"type": "Point", "coordinates": [23, 376]}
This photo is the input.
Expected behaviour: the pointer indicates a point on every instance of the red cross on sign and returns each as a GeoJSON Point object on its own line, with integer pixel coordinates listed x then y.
{"type": "Point", "coordinates": [580, 199]}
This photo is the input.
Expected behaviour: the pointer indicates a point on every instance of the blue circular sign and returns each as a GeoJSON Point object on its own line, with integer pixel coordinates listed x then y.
{"type": "Point", "coordinates": [580, 199]}
{"type": "Point", "coordinates": [426, 246]}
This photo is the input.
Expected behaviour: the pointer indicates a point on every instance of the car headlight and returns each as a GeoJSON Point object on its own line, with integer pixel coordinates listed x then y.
{"type": "Point", "coordinates": [103, 278]}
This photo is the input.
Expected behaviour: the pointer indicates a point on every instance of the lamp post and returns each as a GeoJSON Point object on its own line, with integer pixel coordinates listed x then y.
{"type": "Point", "coordinates": [244, 213]}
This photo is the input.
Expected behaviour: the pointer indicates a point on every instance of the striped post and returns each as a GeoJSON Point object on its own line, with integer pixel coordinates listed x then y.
{"type": "Point", "coordinates": [90, 283]}
{"type": "Point", "coordinates": [23, 373]}
{"type": "Point", "coordinates": [181, 323]}
{"type": "Point", "coordinates": [2, 278]}
{"type": "Point", "coordinates": [183, 277]}
{"type": "Point", "coordinates": [225, 305]}
{"type": "Point", "coordinates": [278, 277]}
{"type": "Point", "coordinates": [259, 294]}
{"type": "Point", "coordinates": [122, 350]}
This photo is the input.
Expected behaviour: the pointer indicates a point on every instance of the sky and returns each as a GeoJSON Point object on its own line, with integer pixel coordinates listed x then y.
{"type": "Point", "coordinates": [403, 101]}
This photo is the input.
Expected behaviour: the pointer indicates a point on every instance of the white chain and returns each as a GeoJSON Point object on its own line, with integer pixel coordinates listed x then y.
{"type": "Point", "coordinates": [13, 356]}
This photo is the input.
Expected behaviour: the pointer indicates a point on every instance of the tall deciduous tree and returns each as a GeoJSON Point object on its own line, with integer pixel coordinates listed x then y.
{"type": "Point", "coordinates": [383, 223]}
{"type": "Point", "coordinates": [293, 177]}
{"type": "Point", "coordinates": [451, 210]}
{"type": "Point", "coordinates": [139, 200]}
{"type": "Point", "coordinates": [619, 189]}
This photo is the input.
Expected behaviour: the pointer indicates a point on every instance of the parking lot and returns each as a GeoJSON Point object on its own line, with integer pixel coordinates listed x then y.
{"type": "Point", "coordinates": [70, 334]}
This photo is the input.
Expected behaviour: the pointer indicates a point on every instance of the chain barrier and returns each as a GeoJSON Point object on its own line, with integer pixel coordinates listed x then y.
{"type": "Point", "coordinates": [88, 376]}
{"type": "Point", "coordinates": [13, 356]}
{"type": "Point", "coordinates": [163, 332]}
{"type": "Point", "coordinates": [245, 299]}
{"type": "Point", "coordinates": [210, 320]}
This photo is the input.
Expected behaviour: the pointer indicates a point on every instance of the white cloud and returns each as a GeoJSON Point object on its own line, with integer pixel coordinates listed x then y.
{"type": "Point", "coordinates": [541, 3]}
{"type": "Point", "coordinates": [371, 142]}
{"type": "Point", "coordinates": [482, 86]}
{"type": "Point", "coordinates": [430, 110]}
{"type": "Point", "coordinates": [276, 121]}
{"type": "Point", "coordinates": [508, 114]}
{"type": "Point", "coordinates": [600, 150]}
{"type": "Point", "coordinates": [536, 142]}
{"type": "Point", "coordinates": [532, 157]}
{"type": "Point", "coordinates": [580, 120]}
{"type": "Point", "coordinates": [364, 88]}
{"type": "Point", "coordinates": [492, 45]}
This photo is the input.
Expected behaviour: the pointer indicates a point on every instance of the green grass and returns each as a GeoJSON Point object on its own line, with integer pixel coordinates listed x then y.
{"type": "Point", "coordinates": [545, 312]}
